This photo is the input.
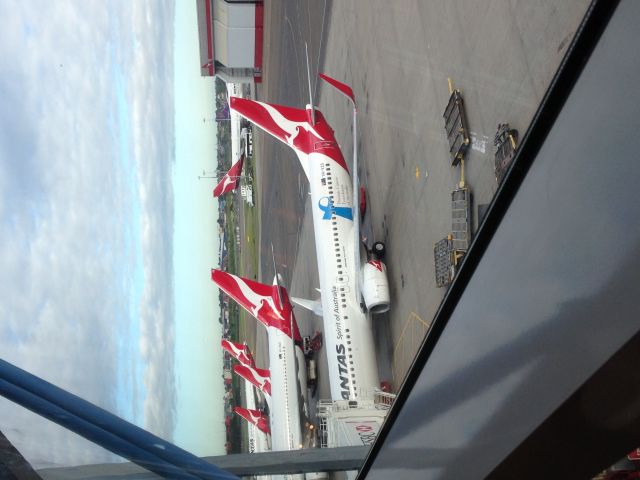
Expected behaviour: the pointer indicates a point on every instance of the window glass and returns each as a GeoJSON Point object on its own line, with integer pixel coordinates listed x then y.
{"type": "Point", "coordinates": [116, 129]}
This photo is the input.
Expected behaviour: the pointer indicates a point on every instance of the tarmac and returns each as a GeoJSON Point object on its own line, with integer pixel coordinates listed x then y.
{"type": "Point", "coordinates": [398, 57]}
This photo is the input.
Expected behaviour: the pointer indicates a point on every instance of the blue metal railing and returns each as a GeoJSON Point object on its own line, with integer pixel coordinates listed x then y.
{"type": "Point", "coordinates": [103, 428]}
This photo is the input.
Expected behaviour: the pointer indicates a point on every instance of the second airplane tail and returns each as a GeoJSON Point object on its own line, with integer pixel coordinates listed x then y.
{"type": "Point", "coordinates": [261, 300]}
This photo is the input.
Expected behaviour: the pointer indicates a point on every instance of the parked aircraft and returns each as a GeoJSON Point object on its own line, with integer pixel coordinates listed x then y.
{"type": "Point", "coordinates": [271, 306]}
{"type": "Point", "coordinates": [353, 280]}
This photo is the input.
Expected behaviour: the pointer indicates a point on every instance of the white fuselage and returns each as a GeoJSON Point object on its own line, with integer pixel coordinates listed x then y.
{"type": "Point", "coordinates": [258, 440]}
{"type": "Point", "coordinates": [285, 413]}
{"type": "Point", "coordinates": [353, 371]}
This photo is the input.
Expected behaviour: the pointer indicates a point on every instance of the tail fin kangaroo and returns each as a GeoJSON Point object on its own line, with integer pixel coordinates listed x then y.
{"type": "Point", "coordinates": [258, 377]}
{"type": "Point", "coordinates": [239, 351]}
{"type": "Point", "coordinates": [261, 300]}
{"type": "Point", "coordinates": [230, 180]}
{"type": "Point", "coordinates": [254, 417]}
{"type": "Point", "coordinates": [293, 126]}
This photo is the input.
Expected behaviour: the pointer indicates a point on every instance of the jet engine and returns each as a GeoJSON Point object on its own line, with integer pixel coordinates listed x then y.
{"type": "Point", "coordinates": [375, 286]}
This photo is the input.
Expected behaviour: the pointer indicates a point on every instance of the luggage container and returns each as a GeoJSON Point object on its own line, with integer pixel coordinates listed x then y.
{"type": "Point", "coordinates": [456, 127]}
{"type": "Point", "coordinates": [461, 220]}
{"type": "Point", "coordinates": [506, 142]}
{"type": "Point", "coordinates": [447, 260]}
{"type": "Point", "coordinates": [442, 258]}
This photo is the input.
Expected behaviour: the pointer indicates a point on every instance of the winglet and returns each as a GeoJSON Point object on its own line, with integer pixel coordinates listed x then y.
{"type": "Point", "coordinates": [342, 87]}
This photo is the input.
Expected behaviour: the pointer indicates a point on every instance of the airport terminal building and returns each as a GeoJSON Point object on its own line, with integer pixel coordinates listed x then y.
{"type": "Point", "coordinates": [230, 38]}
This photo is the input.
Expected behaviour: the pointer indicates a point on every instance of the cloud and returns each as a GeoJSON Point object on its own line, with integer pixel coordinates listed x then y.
{"type": "Point", "coordinates": [85, 200]}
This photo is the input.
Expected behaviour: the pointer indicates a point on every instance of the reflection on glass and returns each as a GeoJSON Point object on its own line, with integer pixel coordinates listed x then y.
{"type": "Point", "coordinates": [111, 232]}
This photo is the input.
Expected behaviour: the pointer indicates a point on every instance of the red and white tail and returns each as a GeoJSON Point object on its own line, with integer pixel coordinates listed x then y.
{"type": "Point", "coordinates": [240, 352]}
{"type": "Point", "coordinates": [258, 377]}
{"type": "Point", "coordinates": [255, 417]}
{"type": "Point", "coordinates": [230, 180]}
{"type": "Point", "coordinates": [306, 131]}
{"type": "Point", "coordinates": [261, 300]}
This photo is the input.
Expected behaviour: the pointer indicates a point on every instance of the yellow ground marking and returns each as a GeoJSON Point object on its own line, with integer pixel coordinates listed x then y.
{"type": "Point", "coordinates": [417, 172]}
{"type": "Point", "coordinates": [407, 345]}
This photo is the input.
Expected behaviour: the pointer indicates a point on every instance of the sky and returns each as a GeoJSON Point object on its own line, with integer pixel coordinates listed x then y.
{"type": "Point", "coordinates": [107, 234]}
{"type": "Point", "coordinates": [200, 421]}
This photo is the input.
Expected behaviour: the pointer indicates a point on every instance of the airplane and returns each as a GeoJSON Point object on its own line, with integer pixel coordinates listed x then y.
{"type": "Point", "coordinates": [257, 441]}
{"type": "Point", "coordinates": [230, 180]}
{"type": "Point", "coordinates": [271, 306]}
{"type": "Point", "coordinates": [353, 280]}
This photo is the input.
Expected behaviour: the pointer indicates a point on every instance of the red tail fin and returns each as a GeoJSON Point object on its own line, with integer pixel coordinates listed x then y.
{"type": "Point", "coordinates": [256, 376]}
{"type": "Point", "coordinates": [293, 127]}
{"type": "Point", "coordinates": [260, 300]}
{"type": "Point", "coordinates": [240, 352]}
{"type": "Point", "coordinates": [280, 121]}
{"type": "Point", "coordinates": [230, 180]}
{"type": "Point", "coordinates": [255, 417]}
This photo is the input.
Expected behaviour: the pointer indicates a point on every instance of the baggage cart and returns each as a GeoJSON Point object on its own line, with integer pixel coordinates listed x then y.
{"type": "Point", "coordinates": [456, 127]}
{"type": "Point", "coordinates": [506, 142]}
